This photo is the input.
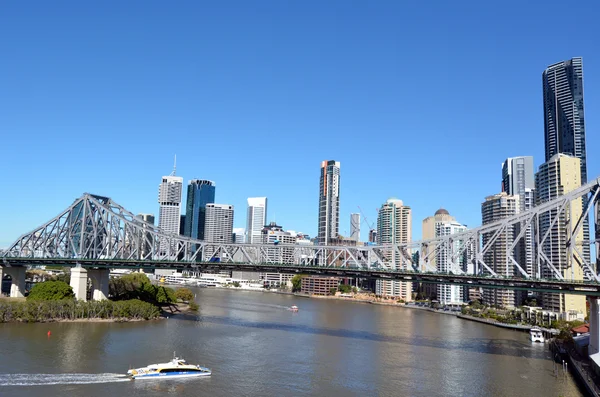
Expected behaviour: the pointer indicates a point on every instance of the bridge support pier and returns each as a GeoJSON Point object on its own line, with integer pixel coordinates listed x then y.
{"type": "Point", "coordinates": [17, 274]}
{"type": "Point", "coordinates": [79, 277]}
{"type": "Point", "coordinates": [99, 279]}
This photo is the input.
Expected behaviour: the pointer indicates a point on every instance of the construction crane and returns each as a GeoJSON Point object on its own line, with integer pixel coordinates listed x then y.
{"type": "Point", "coordinates": [371, 226]}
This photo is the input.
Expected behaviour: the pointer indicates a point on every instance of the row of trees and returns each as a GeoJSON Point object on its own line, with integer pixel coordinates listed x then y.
{"type": "Point", "coordinates": [70, 309]}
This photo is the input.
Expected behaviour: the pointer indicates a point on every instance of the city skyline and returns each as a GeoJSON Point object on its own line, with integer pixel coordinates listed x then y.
{"type": "Point", "coordinates": [306, 101]}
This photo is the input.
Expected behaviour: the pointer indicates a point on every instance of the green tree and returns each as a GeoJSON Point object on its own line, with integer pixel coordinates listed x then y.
{"type": "Point", "coordinates": [184, 294]}
{"type": "Point", "coordinates": [51, 290]}
{"type": "Point", "coordinates": [165, 295]}
{"type": "Point", "coordinates": [332, 291]}
{"type": "Point", "coordinates": [236, 284]}
{"type": "Point", "coordinates": [344, 288]}
{"type": "Point", "coordinates": [296, 283]}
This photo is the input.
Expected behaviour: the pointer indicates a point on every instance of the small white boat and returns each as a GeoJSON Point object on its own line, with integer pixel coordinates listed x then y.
{"type": "Point", "coordinates": [176, 368]}
{"type": "Point", "coordinates": [535, 334]}
{"type": "Point", "coordinates": [294, 308]}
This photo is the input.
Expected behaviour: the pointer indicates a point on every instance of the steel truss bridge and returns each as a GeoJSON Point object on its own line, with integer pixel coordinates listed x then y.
{"type": "Point", "coordinates": [96, 232]}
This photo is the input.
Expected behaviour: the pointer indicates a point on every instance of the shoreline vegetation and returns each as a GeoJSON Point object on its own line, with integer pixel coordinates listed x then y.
{"type": "Point", "coordinates": [131, 298]}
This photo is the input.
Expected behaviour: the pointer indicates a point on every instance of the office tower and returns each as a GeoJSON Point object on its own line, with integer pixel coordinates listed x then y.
{"type": "Point", "coordinates": [147, 243]}
{"type": "Point", "coordinates": [239, 235]}
{"type": "Point", "coordinates": [438, 225]}
{"type": "Point", "coordinates": [329, 201]}
{"type": "Point", "coordinates": [394, 226]}
{"type": "Point", "coordinates": [182, 225]}
{"type": "Point", "coordinates": [518, 180]}
{"type": "Point", "coordinates": [199, 193]}
{"type": "Point", "coordinates": [218, 227]}
{"type": "Point", "coordinates": [494, 208]}
{"type": "Point", "coordinates": [256, 219]}
{"type": "Point", "coordinates": [564, 125]}
{"type": "Point", "coordinates": [169, 199]}
{"type": "Point", "coordinates": [355, 227]}
{"type": "Point", "coordinates": [558, 176]}
{"type": "Point", "coordinates": [274, 235]}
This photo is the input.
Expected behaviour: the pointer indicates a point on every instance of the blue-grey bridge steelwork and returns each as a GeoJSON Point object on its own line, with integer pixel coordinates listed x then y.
{"type": "Point", "coordinates": [95, 233]}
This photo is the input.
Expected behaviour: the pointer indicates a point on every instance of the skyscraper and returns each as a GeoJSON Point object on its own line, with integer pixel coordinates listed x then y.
{"type": "Point", "coordinates": [494, 208]}
{"type": "Point", "coordinates": [199, 193]}
{"type": "Point", "coordinates": [394, 226]}
{"type": "Point", "coordinates": [355, 226]}
{"type": "Point", "coordinates": [518, 180]}
{"type": "Point", "coordinates": [169, 199]}
{"type": "Point", "coordinates": [329, 201]}
{"type": "Point", "coordinates": [558, 176]}
{"type": "Point", "coordinates": [564, 121]}
{"type": "Point", "coordinates": [256, 219]}
{"type": "Point", "coordinates": [218, 227]}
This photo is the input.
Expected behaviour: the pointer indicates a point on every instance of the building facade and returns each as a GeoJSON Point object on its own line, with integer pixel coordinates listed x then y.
{"type": "Point", "coordinates": [394, 226]}
{"type": "Point", "coordinates": [199, 193]}
{"type": "Point", "coordinates": [256, 219]}
{"type": "Point", "coordinates": [315, 285]}
{"type": "Point", "coordinates": [564, 121]}
{"type": "Point", "coordinates": [427, 254]}
{"type": "Point", "coordinates": [329, 201]}
{"type": "Point", "coordinates": [218, 227]}
{"type": "Point", "coordinates": [557, 176]}
{"type": "Point", "coordinates": [494, 208]}
{"type": "Point", "coordinates": [239, 235]}
{"type": "Point", "coordinates": [169, 200]}
{"type": "Point", "coordinates": [451, 294]}
{"type": "Point", "coordinates": [276, 240]}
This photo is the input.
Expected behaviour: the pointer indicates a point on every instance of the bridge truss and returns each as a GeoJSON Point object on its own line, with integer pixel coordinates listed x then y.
{"type": "Point", "coordinates": [96, 228]}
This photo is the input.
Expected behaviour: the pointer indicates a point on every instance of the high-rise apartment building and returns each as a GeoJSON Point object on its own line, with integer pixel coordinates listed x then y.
{"type": "Point", "coordinates": [329, 201]}
{"type": "Point", "coordinates": [438, 225]}
{"type": "Point", "coordinates": [199, 193]}
{"type": "Point", "coordinates": [564, 121]}
{"type": "Point", "coordinates": [256, 219]}
{"type": "Point", "coordinates": [451, 294]}
{"type": "Point", "coordinates": [355, 227]}
{"type": "Point", "coordinates": [169, 200]}
{"type": "Point", "coordinates": [276, 240]}
{"type": "Point", "coordinates": [518, 180]}
{"type": "Point", "coordinates": [494, 208]}
{"type": "Point", "coordinates": [394, 226]}
{"type": "Point", "coordinates": [556, 177]}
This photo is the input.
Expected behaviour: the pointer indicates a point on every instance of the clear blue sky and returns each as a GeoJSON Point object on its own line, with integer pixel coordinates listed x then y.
{"type": "Point", "coordinates": [417, 100]}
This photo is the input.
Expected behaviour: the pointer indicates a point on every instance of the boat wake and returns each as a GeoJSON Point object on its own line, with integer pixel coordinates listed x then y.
{"type": "Point", "coordinates": [59, 379]}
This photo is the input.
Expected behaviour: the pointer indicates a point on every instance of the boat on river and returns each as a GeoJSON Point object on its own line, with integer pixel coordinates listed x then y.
{"type": "Point", "coordinates": [294, 308]}
{"type": "Point", "coordinates": [176, 368]}
{"type": "Point", "coordinates": [535, 334]}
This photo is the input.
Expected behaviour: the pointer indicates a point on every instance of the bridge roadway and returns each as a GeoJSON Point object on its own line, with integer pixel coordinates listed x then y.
{"type": "Point", "coordinates": [588, 288]}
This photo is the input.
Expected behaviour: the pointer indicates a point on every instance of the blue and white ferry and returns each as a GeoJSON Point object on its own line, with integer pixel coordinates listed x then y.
{"type": "Point", "coordinates": [176, 368]}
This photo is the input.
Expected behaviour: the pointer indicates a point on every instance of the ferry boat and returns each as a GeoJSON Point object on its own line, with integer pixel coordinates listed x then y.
{"type": "Point", "coordinates": [294, 308]}
{"type": "Point", "coordinates": [535, 334]}
{"type": "Point", "coordinates": [176, 368]}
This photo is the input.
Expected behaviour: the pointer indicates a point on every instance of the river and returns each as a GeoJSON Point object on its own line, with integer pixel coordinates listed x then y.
{"type": "Point", "coordinates": [255, 347]}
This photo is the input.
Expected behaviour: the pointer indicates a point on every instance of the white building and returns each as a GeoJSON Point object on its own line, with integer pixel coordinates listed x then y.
{"type": "Point", "coordinates": [394, 226]}
{"type": "Point", "coordinates": [169, 200]}
{"type": "Point", "coordinates": [256, 220]}
{"type": "Point", "coordinates": [450, 294]}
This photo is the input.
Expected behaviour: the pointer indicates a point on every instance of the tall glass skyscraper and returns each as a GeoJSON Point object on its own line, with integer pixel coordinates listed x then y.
{"type": "Point", "coordinates": [199, 193]}
{"type": "Point", "coordinates": [564, 126]}
{"type": "Point", "coordinates": [329, 201]}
